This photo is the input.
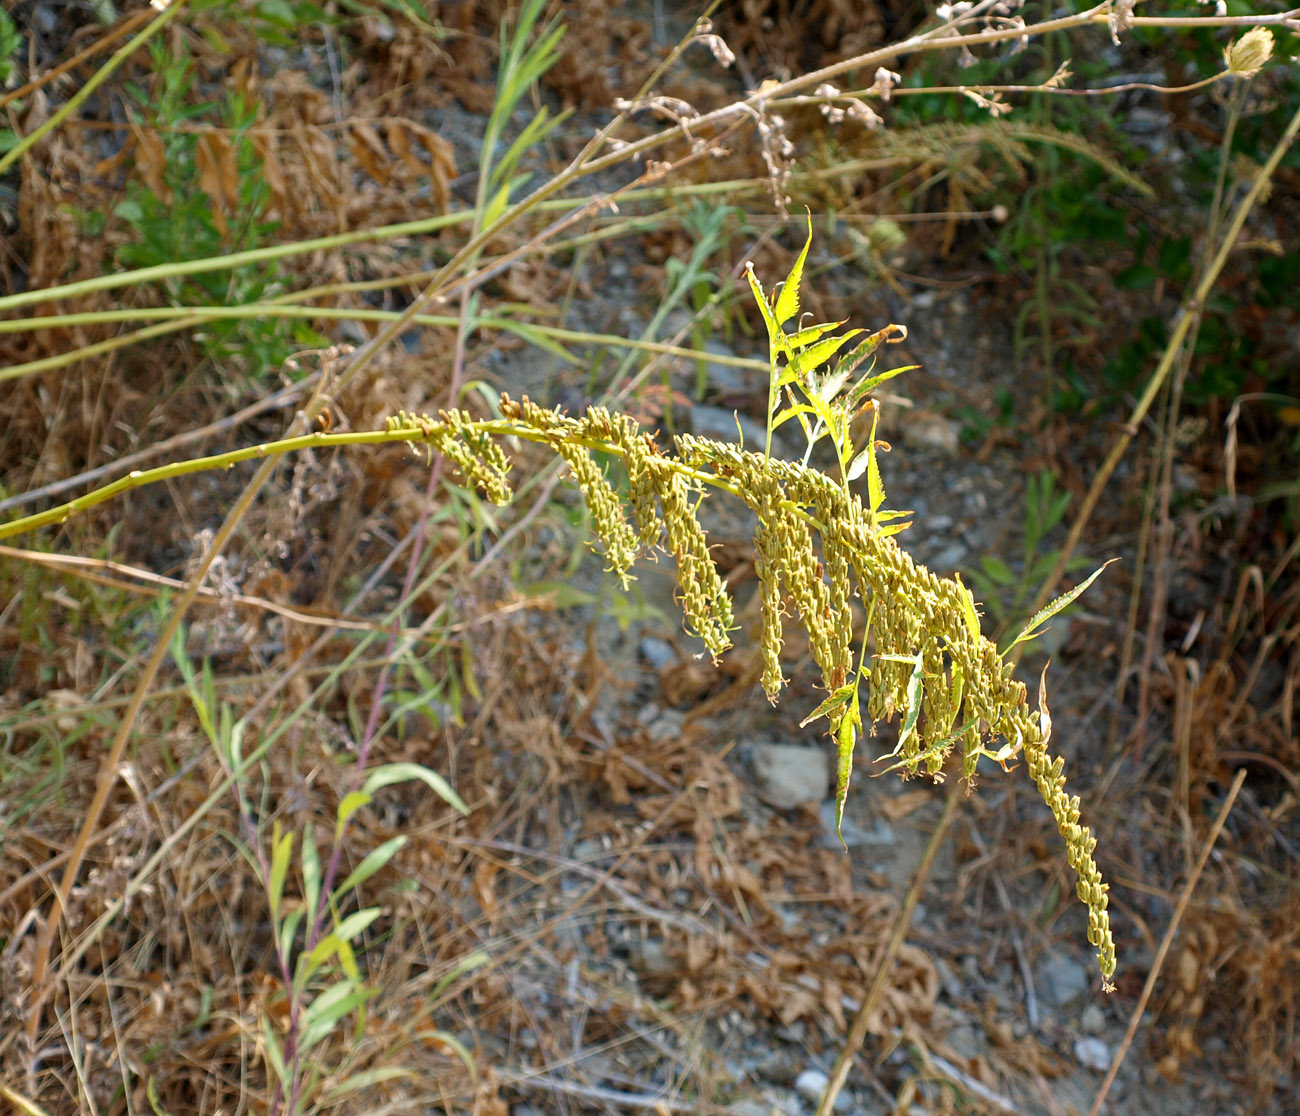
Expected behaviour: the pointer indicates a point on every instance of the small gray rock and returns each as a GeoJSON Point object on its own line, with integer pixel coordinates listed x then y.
{"type": "Point", "coordinates": [788, 775]}
{"type": "Point", "coordinates": [852, 833]}
{"type": "Point", "coordinates": [1093, 1020]}
{"type": "Point", "coordinates": [727, 379]}
{"type": "Point", "coordinates": [952, 557]}
{"type": "Point", "coordinates": [1092, 1053]}
{"type": "Point", "coordinates": [657, 653]}
{"type": "Point", "coordinates": [927, 430]}
{"type": "Point", "coordinates": [650, 958]}
{"type": "Point", "coordinates": [748, 1107]}
{"type": "Point", "coordinates": [811, 1084]}
{"type": "Point", "coordinates": [1061, 979]}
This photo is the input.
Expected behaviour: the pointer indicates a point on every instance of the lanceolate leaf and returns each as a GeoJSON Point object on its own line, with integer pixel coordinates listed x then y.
{"type": "Point", "coordinates": [773, 330]}
{"type": "Point", "coordinates": [915, 685]}
{"type": "Point", "coordinates": [846, 737]}
{"type": "Point", "coordinates": [374, 860]}
{"type": "Point", "coordinates": [281, 847]}
{"type": "Point", "coordinates": [968, 610]}
{"type": "Point", "coordinates": [813, 333]}
{"type": "Point", "coordinates": [404, 772]}
{"type": "Point", "coordinates": [875, 488]}
{"type": "Point", "coordinates": [870, 383]}
{"type": "Point", "coordinates": [1048, 611]}
{"type": "Point", "coordinates": [832, 705]}
{"type": "Point", "coordinates": [787, 302]}
{"type": "Point", "coordinates": [812, 358]}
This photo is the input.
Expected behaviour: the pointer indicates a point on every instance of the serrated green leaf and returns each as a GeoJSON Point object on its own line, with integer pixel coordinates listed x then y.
{"type": "Point", "coordinates": [773, 330]}
{"type": "Point", "coordinates": [787, 302]}
{"type": "Point", "coordinates": [281, 849]}
{"type": "Point", "coordinates": [371, 863]}
{"type": "Point", "coordinates": [404, 772]}
{"type": "Point", "coordinates": [1050, 610]}
{"type": "Point", "coordinates": [833, 704]}
{"type": "Point", "coordinates": [869, 384]}
{"type": "Point", "coordinates": [846, 738]}
{"type": "Point", "coordinates": [809, 334]}
{"type": "Point", "coordinates": [816, 355]}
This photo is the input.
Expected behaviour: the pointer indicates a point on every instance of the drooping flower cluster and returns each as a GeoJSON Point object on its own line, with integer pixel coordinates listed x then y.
{"type": "Point", "coordinates": [817, 548]}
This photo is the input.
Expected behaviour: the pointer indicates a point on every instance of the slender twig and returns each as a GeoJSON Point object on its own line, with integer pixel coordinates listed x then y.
{"type": "Point", "coordinates": [108, 768]}
{"type": "Point", "coordinates": [1186, 316]}
{"type": "Point", "coordinates": [885, 962]}
{"type": "Point", "coordinates": [1140, 1007]}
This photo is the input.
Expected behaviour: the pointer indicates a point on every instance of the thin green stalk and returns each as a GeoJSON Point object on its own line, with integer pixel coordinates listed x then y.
{"type": "Point", "coordinates": [141, 478]}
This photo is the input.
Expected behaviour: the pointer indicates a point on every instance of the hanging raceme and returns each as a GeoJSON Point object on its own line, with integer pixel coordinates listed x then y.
{"type": "Point", "coordinates": [817, 545]}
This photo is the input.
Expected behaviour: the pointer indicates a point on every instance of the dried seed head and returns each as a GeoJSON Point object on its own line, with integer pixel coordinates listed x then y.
{"type": "Point", "coordinates": [1249, 54]}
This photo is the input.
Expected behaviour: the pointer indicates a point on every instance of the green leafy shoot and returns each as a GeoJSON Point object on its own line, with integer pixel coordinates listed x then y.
{"type": "Point", "coordinates": [808, 384]}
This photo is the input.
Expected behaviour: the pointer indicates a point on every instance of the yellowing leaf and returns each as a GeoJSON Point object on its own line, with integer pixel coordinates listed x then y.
{"type": "Point", "coordinates": [787, 302]}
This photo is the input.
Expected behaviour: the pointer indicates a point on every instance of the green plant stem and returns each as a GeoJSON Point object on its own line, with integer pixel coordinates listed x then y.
{"type": "Point", "coordinates": [92, 83]}
{"type": "Point", "coordinates": [1188, 315]}
{"type": "Point", "coordinates": [140, 478]}
{"type": "Point", "coordinates": [199, 315]}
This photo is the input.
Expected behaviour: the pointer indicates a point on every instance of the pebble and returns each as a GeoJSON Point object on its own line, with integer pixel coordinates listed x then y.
{"type": "Point", "coordinates": [657, 653]}
{"type": "Point", "coordinates": [789, 775]}
{"type": "Point", "coordinates": [811, 1084]}
{"type": "Point", "coordinates": [748, 1107]}
{"type": "Point", "coordinates": [650, 958]}
{"type": "Point", "coordinates": [667, 725]}
{"type": "Point", "coordinates": [926, 430]}
{"type": "Point", "coordinates": [1061, 979]}
{"type": "Point", "coordinates": [727, 379]}
{"type": "Point", "coordinates": [954, 556]}
{"type": "Point", "coordinates": [1093, 1020]}
{"type": "Point", "coordinates": [1092, 1053]}
{"type": "Point", "coordinates": [853, 833]}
